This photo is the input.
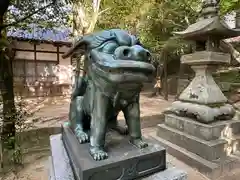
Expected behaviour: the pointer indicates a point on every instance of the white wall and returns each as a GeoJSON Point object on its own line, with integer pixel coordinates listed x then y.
{"type": "Point", "coordinates": [24, 55]}
{"type": "Point", "coordinates": [63, 70]}
{"type": "Point", "coordinates": [46, 56]}
{"type": "Point", "coordinates": [46, 47]}
{"type": "Point", "coordinates": [52, 56]}
{"type": "Point", "coordinates": [23, 45]}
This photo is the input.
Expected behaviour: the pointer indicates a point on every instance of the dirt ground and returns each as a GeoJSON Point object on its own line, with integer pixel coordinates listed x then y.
{"type": "Point", "coordinates": [53, 112]}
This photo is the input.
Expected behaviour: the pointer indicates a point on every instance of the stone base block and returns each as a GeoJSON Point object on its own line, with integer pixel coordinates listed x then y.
{"type": "Point", "coordinates": [206, 132]}
{"type": "Point", "coordinates": [125, 161]}
{"type": "Point", "coordinates": [220, 169]}
{"type": "Point", "coordinates": [61, 165]}
{"type": "Point", "coordinates": [209, 150]}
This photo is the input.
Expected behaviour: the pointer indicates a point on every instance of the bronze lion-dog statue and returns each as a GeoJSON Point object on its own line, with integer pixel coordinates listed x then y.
{"type": "Point", "coordinates": [117, 65]}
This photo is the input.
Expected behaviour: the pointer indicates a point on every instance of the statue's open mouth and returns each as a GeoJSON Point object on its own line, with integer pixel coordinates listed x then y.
{"type": "Point", "coordinates": [116, 70]}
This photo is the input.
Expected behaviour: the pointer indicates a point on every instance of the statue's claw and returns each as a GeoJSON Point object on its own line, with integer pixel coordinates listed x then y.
{"type": "Point", "coordinates": [98, 154]}
{"type": "Point", "coordinates": [139, 143]}
{"type": "Point", "coordinates": [81, 135]}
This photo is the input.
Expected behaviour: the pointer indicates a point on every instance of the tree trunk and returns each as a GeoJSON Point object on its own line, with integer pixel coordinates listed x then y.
{"type": "Point", "coordinates": [83, 23]}
{"type": "Point", "coordinates": [237, 18]}
{"type": "Point", "coordinates": [165, 76]}
{"type": "Point", "coordinates": [7, 95]}
{"type": "Point", "coordinates": [79, 27]}
{"type": "Point", "coordinates": [79, 19]}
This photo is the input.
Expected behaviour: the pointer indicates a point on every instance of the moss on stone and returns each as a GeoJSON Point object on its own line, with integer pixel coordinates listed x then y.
{"type": "Point", "coordinates": [231, 76]}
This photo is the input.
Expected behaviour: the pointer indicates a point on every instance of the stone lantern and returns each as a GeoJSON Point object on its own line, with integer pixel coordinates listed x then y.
{"type": "Point", "coordinates": [196, 124]}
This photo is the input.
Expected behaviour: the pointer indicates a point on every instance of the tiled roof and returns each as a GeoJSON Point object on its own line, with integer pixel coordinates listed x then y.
{"type": "Point", "coordinates": [55, 35]}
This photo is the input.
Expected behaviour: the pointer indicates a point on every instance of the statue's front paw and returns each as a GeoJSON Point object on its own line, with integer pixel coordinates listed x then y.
{"type": "Point", "coordinates": [82, 137]}
{"type": "Point", "coordinates": [98, 154]}
{"type": "Point", "coordinates": [139, 143]}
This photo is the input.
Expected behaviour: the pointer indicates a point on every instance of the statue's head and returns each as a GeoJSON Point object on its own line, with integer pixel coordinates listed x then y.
{"type": "Point", "coordinates": [115, 56]}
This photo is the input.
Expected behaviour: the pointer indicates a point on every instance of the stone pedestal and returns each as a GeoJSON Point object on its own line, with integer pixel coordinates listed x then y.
{"type": "Point", "coordinates": [203, 99]}
{"type": "Point", "coordinates": [125, 162]}
{"type": "Point", "coordinates": [199, 128]}
{"type": "Point", "coordinates": [210, 148]}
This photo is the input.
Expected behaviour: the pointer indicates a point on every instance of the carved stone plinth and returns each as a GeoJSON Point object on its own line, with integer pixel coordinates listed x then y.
{"type": "Point", "coordinates": [207, 132]}
{"type": "Point", "coordinates": [117, 166]}
{"type": "Point", "coordinates": [210, 148]}
{"type": "Point", "coordinates": [203, 113]}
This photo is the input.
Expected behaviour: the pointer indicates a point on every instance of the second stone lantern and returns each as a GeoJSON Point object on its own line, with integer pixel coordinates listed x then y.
{"type": "Point", "coordinates": [203, 99]}
{"type": "Point", "coordinates": [197, 121]}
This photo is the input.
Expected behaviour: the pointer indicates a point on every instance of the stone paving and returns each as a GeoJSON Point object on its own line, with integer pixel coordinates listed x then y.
{"type": "Point", "coordinates": [192, 173]}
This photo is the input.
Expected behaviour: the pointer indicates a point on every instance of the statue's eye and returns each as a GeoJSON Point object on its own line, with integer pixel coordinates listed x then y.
{"type": "Point", "coordinates": [109, 47]}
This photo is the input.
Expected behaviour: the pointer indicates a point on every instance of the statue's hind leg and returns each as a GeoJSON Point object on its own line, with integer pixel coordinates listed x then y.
{"type": "Point", "coordinates": [114, 125]}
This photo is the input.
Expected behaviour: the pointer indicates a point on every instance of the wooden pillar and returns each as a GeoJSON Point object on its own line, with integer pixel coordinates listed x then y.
{"type": "Point", "coordinates": [58, 55]}
{"type": "Point", "coordinates": [24, 71]}
{"type": "Point", "coordinates": [36, 71]}
{"type": "Point", "coordinates": [35, 59]}
{"type": "Point", "coordinates": [58, 88]}
{"type": "Point", "coordinates": [165, 75]}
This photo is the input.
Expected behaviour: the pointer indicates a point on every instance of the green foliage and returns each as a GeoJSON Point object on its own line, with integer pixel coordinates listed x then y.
{"type": "Point", "coordinates": [15, 155]}
{"type": "Point", "coordinates": [164, 18]}
{"type": "Point", "coordinates": [29, 12]}
{"type": "Point", "coordinates": [227, 6]}
{"type": "Point", "coordinates": [229, 76]}
{"type": "Point", "coordinates": [121, 14]}
{"type": "Point", "coordinates": [153, 21]}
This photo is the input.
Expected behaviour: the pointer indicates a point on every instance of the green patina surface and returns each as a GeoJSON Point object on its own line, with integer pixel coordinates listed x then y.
{"type": "Point", "coordinates": [117, 67]}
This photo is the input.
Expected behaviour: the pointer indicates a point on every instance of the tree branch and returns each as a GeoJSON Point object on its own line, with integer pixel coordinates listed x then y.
{"type": "Point", "coordinates": [26, 17]}
{"type": "Point", "coordinates": [103, 11]}
{"type": "Point", "coordinates": [187, 20]}
{"type": "Point", "coordinates": [230, 48]}
{"type": "Point", "coordinates": [176, 24]}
